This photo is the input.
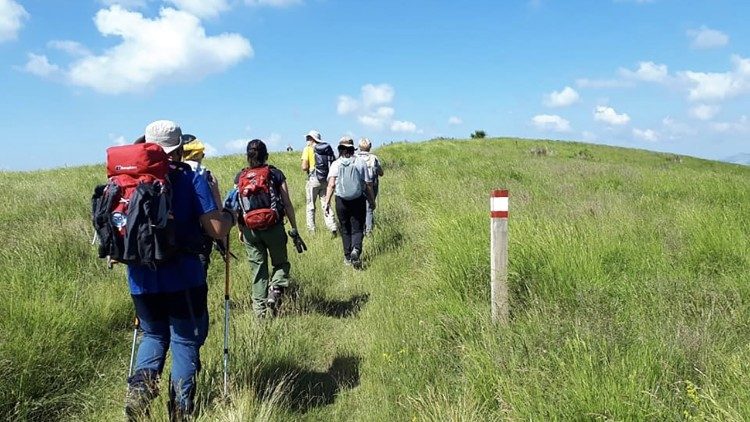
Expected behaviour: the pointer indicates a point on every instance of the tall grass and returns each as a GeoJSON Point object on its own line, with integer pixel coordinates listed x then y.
{"type": "Point", "coordinates": [629, 277]}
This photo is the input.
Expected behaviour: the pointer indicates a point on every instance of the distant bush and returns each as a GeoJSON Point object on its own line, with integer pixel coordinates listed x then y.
{"type": "Point", "coordinates": [541, 151]}
{"type": "Point", "coordinates": [583, 154]}
{"type": "Point", "coordinates": [478, 134]}
{"type": "Point", "coordinates": [673, 158]}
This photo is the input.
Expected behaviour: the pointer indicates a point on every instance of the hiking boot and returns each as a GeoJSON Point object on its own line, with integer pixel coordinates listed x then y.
{"type": "Point", "coordinates": [138, 401]}
{"type": "Point", "coordinates": [274, 298]}
{"type": "Point", "coordinates": [354, 257]}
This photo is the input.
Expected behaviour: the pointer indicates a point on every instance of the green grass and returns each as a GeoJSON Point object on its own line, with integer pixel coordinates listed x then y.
{"type": "Point", "coordinates": [629, 279]}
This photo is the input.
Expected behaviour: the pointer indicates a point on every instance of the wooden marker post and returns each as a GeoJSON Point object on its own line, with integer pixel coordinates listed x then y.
{"type": "Point", "coordinates": [499, 255]}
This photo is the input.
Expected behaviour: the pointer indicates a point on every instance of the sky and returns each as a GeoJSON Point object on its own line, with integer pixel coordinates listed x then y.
{"type": "Point", "coordinates": [79, 76]}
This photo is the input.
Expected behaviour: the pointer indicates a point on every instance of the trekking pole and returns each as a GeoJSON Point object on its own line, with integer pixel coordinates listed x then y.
{"type": "Point", "coordinates": [226, 316]}
{"type": "Point", "coordinates": [136, 325]}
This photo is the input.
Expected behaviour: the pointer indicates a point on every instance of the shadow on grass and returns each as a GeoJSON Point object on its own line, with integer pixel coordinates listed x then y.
{"type": "Point", "coordinates": [336, 308]}
{"type": "Point", "coordinates": [301, 390]}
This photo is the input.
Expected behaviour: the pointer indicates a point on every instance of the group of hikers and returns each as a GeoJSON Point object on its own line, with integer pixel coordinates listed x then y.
{"type": "Point", "coordinates": [179, 202]}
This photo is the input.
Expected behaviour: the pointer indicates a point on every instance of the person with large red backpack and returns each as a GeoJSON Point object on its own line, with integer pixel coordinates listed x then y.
{"type": "Point", "coordinates": [262, 197]}
{"type": "Point", "coordinates": [152, 216]}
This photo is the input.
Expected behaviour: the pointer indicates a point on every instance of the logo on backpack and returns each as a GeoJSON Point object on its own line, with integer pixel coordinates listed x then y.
{"type": "Point", "coordinates": [258, 198]}
{"type": "Point", "coordinates": [131, 213]}
{"type": "Point", "coordinates": [323, 158]}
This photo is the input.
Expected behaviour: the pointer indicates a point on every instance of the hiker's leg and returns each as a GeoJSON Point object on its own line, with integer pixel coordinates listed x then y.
{"type": "Point", "coordinates": [310, 196]}
{"type": "Point", "coordinates": [358, 210]}
{"type": "Point", "coordinates": [154, 322]}
{"type": "Point", "coordinates": [143, 384]}
{"type": "Point", "coordinates": [328, 217]}
{"type": "Point", "coordinates": [342, 212]}
{"type": "Point", "coordinates": [276, 239]}
{"type": "Point", "coordinates": [258, 259]}
{"type": "Point", "coordinates": [370, 219]}
{"type": "Point", "coordinates": [189, 326]}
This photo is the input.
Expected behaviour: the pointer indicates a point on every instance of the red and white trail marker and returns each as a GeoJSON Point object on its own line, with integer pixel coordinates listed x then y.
{"type": "Point", "coordinates": [499, 205]}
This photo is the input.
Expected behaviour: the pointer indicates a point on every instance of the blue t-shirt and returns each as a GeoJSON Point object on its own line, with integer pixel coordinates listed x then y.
{"type": "Point", "coordinates": [191, 198]}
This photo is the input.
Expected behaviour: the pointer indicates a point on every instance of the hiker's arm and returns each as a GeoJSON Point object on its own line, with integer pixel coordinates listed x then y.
{"type": "Point", "coordinates": [329, 192]}
{"type": "Point", "coordinates": [370, 194]}
{"type": "Point", "coordinates": [288, 207]}
{"type": "Point", "coordinates": [378, 168]}
{"type": "Point", "coordinates": [218, 222]}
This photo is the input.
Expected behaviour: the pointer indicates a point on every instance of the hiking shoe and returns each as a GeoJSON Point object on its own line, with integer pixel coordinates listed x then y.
{"type": "Point", "coordinates": [347, 261]}
{"type": "Point", "coordinates": [354, 257]}
{"type": "Point", "coordinates": [274, 298]}
{"type": "Point", "coordinates": [334, 234]}
{"type": "Point", "coordinates": [137, 403]}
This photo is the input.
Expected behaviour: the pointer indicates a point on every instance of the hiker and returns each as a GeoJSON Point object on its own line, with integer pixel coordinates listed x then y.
{"type": "Point", "coordinates": [193, 152]}
{"type": "Point", "coordinates": [317, 157]}
{"type": "Point", "coordinates": [376, 171]}
{"type": "Point", "coordinates": [171, 298]}
{"type": "Point", "coordinates": [289, 148]}
{"type": "Point", "coordinates": [352, 184]}
{"type": "Point", "coordinates": [262, 196]}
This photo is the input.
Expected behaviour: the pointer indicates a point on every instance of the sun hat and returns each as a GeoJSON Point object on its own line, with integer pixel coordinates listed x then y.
{"type": "Point", "coordinates": [193, 150]}
{"type": "Point", "coordinates": [165, 133]}
{"type": "Point", "coordinates": [346, 142]}
{"type": "Point", "coordinates": [364, 144]}
{"type": "Point", "coordinates": [315, 135]}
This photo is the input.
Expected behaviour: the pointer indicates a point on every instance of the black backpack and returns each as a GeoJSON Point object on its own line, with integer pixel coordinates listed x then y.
{"type": "Point", "coordinates": [323, 158]}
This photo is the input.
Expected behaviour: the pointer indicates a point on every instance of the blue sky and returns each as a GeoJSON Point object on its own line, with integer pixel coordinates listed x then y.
{"type": "Point", "coordinates": [79, 76]}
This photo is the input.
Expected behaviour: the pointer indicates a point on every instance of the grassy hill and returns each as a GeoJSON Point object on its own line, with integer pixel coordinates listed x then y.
{"type": "Point", "coordinates": [629, 276]}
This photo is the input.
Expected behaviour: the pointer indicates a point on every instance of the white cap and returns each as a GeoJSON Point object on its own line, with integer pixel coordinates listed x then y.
{"type": "Point", "coordinates": [315, 135]}
{"type": "Point", "coordinates": [165, 133]}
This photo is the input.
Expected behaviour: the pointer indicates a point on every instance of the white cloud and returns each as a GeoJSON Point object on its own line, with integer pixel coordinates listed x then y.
{"type": "Point", "coordinates": [237, 145]}
{"type": "Point", "coordinates": [346, 105]}
{"type": "Point", "coordinates": [454, 120]}
{"type": "Point", "coordinates": [403, 126]}
{"type": "Point", "coordinates": [740, 126]}
{"type": "Point", "coordinates": [609, 116]}
{"type": "Point", "coordinates": [73, 48]}
{"type": "Point", "coordinates": [273, 3]}
{"type": "Point", "coordinates": [202, 8]}
{"type": "Point", "coordinates": [718, 86]}
{"type": "Point", "coordinates": [705, 111]}
{"type": "Point", "coordinates": [373, 110]}
{"type": "Point", "coordinates": [550, 122]}
{"type": "Point", "coordinates": [171, 48]}
{"type": "Point", "coordinates": [588, 136]}
{"type": "Point", "coordinates": [648, 72]}
{"type": "Point", "coordinates": [12, 16]}
{"type": "Point", "coordinates": [562, 98]}
{"type": "Point", "coordinates": [39, 65]}
{"type": "Point", "coordinates": [118, 140]}
{"type": "Point", "coordinates": [377, 94]}
{"type": "Point", "coordinates": [127, 4]}
{"type": "Point", "coordinates": [646, 135]}
{"type": "Point", "coordinates": [603, 83]}
{"type": "Point", "coordinates": [273, 140]}
{"type": "Point", "coordinates": [676, 129]}
{"type": "Point", "coordinates": [210, 150]}
{"type": "Point", "coordinates": [705, 38]}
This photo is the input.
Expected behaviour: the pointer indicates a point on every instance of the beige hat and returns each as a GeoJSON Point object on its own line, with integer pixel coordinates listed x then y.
{"type": "Point", "coordinates": [315, 135]}
{"type": "Point", "coordinates": [346, 142]}
{"type": "Point", "coordinates": [165, 133]}
{"type": "Point", "coordinates": [365, 144]}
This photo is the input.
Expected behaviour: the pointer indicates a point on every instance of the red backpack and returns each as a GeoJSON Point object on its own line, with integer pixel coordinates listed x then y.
{"type": "Point", "coordinates": [258, 197]}
{"type": "Point", "coordinates": [131, 213]}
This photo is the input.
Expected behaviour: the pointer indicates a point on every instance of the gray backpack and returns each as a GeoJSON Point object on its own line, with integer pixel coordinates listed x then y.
{"type": "Point", "coordinates": [349, 183]}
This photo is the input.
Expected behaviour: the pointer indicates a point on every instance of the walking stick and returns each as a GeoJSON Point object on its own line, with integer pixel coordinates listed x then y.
{"type": "Point", "coordinates": [136, 325]}
{"type": "Point", "coordinates": [226, 316]}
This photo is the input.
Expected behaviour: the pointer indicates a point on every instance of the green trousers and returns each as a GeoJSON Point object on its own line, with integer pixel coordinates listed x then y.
{"type": "Point", "coordinates": [260, 244]}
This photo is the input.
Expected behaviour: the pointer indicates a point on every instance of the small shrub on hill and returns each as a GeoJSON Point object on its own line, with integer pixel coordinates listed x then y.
{"type": "Point", "coordinates": [478, 134]}
{"type": "Point", "coordinates": [541, 151]}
